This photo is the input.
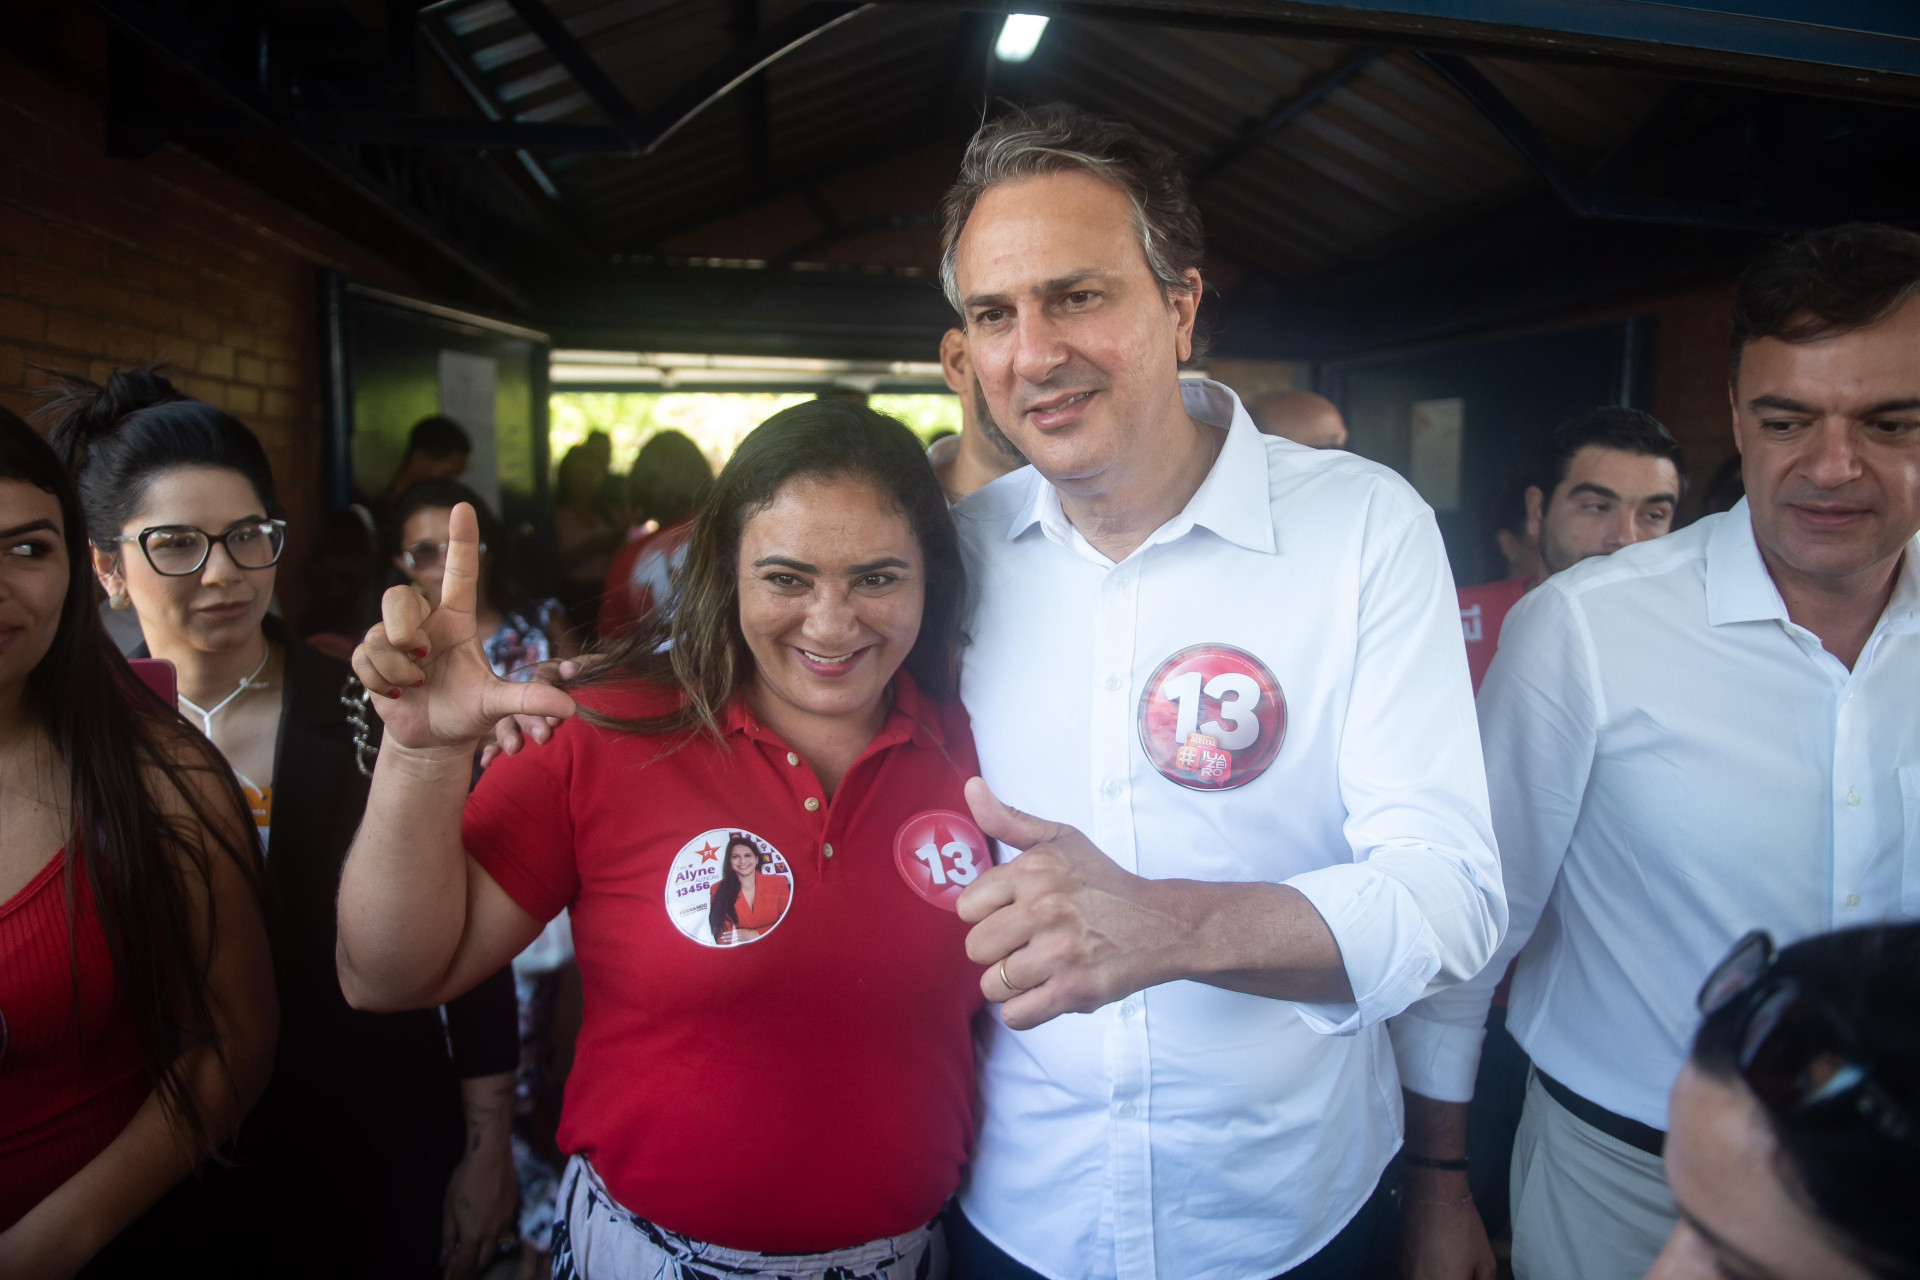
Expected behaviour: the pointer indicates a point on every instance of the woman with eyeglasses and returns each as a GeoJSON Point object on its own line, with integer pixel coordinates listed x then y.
{"type": "Point", "coordinates": [1793, 1141]}
{"type": "Point", "coordinates": [517, 635]}
{"type": "Point", "coordinates": [371, 1130]}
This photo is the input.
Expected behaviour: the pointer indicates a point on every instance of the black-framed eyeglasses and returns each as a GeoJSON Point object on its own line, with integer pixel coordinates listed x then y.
{"type": "Point", "coordinates": [1797, 1053]}
{"type": "Point", "coordinates": [180, 550]}
{"type": "Point", "coordinates": [424, 557]}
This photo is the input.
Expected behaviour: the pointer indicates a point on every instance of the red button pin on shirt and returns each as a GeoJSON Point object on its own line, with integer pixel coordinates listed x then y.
{"type": "Point", "coordinates": [1212, 717]}
{"type": "Point", "coordinates": [939, 853]}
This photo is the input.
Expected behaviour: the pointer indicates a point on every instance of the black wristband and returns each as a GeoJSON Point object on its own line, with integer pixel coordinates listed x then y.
{"type": "Point", "coordinates": [1428, 1162]}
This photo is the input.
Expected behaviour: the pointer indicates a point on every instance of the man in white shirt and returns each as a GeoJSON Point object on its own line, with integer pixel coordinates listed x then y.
{"type": "Point", "coordinates": [1233, 665]}
{"type": "Point", "coordinates": [1694, 737]}
{"type": "Point", "coordinates": [981, 452]}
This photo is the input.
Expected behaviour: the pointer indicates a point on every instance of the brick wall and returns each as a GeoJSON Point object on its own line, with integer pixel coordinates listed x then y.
{"type": "Point", "coordinates": [105, 262]}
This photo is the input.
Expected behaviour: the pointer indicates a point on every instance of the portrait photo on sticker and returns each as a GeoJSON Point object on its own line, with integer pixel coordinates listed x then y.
{"type": "Point", "coordinates": [728, 887]}
{"type": "Point", "coordinates": [1212, 717]}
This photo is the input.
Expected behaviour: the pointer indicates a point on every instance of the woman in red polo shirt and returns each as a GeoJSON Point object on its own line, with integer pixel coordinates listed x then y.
{"type": "Point", "coordinates": [793, 724]}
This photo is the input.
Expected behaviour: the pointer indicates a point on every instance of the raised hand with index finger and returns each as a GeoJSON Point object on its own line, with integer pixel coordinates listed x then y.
{"type": "Point", "coordinates": [437, 688]}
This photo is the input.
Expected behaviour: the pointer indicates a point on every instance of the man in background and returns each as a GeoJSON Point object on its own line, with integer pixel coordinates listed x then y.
{"type": "Point", "coordinates": [1606, 479]}
{"type": "Point", "coordinates": [981, 453]}
{"type": "Point", "coordinates": [1712, 733]}
{"type": "Point", "coordinates": [438, 448]}
{"type": "Point", "coordinates": [1302, 417]}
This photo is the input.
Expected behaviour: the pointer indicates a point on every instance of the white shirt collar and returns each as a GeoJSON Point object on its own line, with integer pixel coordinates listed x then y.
{"type": "Point", "coordinates": [1739, 588]}
{"type": "Point", "coordinates": [1233, 501]}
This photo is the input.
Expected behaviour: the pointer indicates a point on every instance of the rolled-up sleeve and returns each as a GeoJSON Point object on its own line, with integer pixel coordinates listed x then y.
{"type": "Point", "coordinates": [1420, 906]}
{"type": "Point", "coordinates": [1539, 717]}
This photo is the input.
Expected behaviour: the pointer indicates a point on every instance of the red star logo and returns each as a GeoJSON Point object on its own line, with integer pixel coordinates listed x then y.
{"type": "Point", "coordinates": [709, 853]}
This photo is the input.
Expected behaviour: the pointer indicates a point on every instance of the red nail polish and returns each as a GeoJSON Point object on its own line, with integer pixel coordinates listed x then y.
{"type": "Point", "coordinates": [419, 684]}
{"type": "Point", "coordinates": [393, 693]}
{"type": "Point", "coordinates": [421, 652]}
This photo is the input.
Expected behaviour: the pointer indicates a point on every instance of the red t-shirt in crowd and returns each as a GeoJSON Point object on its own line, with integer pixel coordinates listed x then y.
{"type": "Point", "coordinates": [1482, 610]}
{"type": "Point", "coordinates": [65, 1091]}
{"type": "Point", "coordinates": [809, 1088]}
{"type": "Point", "coordinates": [639, 577]}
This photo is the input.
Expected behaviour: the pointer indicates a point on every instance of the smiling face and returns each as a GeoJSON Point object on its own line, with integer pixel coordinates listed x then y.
{"type": "Point", "coordinates": [1829, 436]}
{"type": "Point", "coordinates": [220, 607]}
{"type": "Point", "coordinates": [744, 859]}
{"type": "Point", "coordinates": [1609, 499]}
{"type": "Point", "coordinates": [33, 579]}
{"type": "Point", "coordinates": [1738, 1221]}
{"type": "Point", "coordinates": [832, 585]}
{"type": "Point", "coordinates": [1076, 346]}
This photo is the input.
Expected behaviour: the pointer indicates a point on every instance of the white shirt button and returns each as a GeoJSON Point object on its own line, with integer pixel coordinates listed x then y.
{"type": "Point", "coordinates": [792, 758]}
{"type": "Point", "coordinates": [1128, 1008]}
{"type": "Point", "coordinates": [1853, 797]}
{"type": "Point", "coordinates": [1853, 899]}
{"type": "Point", "coordinates": [1127, 1111]}
{"type": "Point", "coordinates": [1113, 788]}
{"type": "Point", "coordinates": [827, 849]}
{"type": "Point", "coordinates": [813, 804]}
{"type": "Point", "coordinates": [1113, 683]}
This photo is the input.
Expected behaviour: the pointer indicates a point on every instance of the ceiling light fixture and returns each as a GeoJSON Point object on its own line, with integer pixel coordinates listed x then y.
{"type": "Point", "coordinates": [1019, 37]}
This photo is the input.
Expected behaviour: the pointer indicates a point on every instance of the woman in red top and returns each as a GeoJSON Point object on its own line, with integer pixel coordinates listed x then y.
{"type": "Point", "coordinates": [793, 722]}
{"type": "Point", "coordinates": [137, 1010]}
{"type": "Point", "coordinates": [746, 900]}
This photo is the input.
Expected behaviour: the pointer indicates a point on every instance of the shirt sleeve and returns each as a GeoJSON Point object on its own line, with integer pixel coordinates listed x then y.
{"type": "Point", "coordinates": [1420, 905]}
{"type": "Point", "coordinates": [518, 823]}
{"type": "Point", "coordinates": [1539, 718]}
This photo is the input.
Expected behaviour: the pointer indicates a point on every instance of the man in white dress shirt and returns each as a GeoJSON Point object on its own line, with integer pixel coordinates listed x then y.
{"type": "Point", "coordinates": [1694, 737]}
{"type": "Point", "coordinates": [1232, 664]}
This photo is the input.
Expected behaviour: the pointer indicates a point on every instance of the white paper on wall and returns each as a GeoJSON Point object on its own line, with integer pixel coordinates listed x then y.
{"type": "Point", "coordinates": [1439, 430]}
{"type": "Point", "coordinates": [468, 384]}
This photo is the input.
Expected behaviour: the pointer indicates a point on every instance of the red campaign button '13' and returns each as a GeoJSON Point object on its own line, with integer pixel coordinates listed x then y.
{"type": "Point", "coordinates": [939, 853]}
{"type": "Point", "coordinates": [1212, 717]}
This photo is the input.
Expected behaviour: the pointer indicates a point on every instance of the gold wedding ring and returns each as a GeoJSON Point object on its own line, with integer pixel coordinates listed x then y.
{"type": "Point", "coordinates": [1007, 982]}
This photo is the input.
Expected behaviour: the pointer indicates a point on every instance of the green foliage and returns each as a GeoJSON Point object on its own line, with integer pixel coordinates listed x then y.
{"type": "Point", "coordinates": [716, 421]}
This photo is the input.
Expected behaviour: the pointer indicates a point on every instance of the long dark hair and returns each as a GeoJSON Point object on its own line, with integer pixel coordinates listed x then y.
{"type": "Point", "coordinates": [698, 647]}
{"type": "Point", "coordinates": [117, 438]}
{"type": "Point", "coordinates": [153, 805]}
{"type": "Point", "coordinates": [1859, 1181]}
{"type": "Point", "coordinates": [724, 910]}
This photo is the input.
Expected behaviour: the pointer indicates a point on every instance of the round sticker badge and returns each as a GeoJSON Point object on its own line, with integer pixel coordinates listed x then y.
{"type": "Point", "coordinates": [939, 853]}
{"type": "Point", "coordinates": [728, 887]}
{"type": "Point", "coordinates": [1212, 717]}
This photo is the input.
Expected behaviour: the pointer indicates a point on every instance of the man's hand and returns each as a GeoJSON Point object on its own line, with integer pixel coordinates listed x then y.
{"type": "Point", "coordinates": [1441, 1235]}
{"type": "Point", "coordinates": [1061, 928]}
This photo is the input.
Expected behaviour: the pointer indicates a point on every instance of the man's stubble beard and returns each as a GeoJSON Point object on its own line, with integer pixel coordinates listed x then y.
{"type": "Point", "coordinates": [983, 416]}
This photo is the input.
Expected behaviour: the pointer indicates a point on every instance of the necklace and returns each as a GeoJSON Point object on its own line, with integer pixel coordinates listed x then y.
{"type": "Point", "coordinates": [207, 714]}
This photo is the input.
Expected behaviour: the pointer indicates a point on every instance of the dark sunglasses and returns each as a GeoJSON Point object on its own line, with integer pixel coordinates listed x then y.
{"type": "Point", "coordinates": [1797, 1053]}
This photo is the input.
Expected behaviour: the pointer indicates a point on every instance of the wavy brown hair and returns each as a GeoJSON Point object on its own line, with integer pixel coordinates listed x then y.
{"type": "Point", "coordinates": [693, 642]}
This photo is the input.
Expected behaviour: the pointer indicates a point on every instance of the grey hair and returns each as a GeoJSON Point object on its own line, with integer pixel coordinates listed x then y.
{"type": "Point", "coordinates": [1058, 138]}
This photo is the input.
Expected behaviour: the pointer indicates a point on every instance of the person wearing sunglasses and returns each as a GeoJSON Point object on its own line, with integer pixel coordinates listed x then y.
{"type": "Point", "coordinates": [1794, 1143]}
{"type": "Point", "coordinates": [519, 633]}
{"type": "Point", "coordinates": [371, 1124]}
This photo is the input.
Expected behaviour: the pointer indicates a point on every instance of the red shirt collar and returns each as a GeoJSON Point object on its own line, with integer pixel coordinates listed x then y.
{"type": "Point", "coordinates": [914, 718]}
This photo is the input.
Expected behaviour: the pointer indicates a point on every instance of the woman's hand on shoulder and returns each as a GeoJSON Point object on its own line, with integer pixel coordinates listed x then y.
{"type": "Point", "coordinates": [436, 688]}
